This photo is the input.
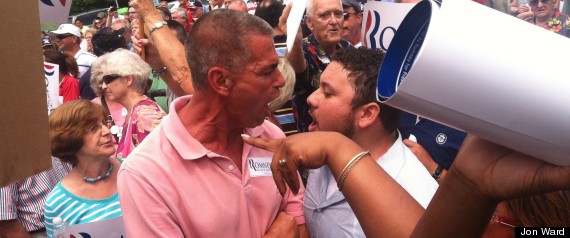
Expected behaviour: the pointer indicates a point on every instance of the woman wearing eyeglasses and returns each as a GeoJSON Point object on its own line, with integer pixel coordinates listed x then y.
{"type": "Point", "coordinates": [125, 78]}
{"type": "Point", "coordinates": [79, 136]}
{"type": "Point", "coordinates": [547, 15]}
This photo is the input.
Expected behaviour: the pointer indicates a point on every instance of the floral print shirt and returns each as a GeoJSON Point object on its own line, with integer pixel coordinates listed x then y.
{"type": "Point", "coordinates": [146, 115]}
{"type": "Point", "coordinates": [558, 23]}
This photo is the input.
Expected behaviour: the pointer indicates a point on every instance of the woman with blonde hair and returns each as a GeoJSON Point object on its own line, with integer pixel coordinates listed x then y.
{"type": "Point", "coordinates": [88, 36]}
{"type": "Point", "coordinates": [281, 107]}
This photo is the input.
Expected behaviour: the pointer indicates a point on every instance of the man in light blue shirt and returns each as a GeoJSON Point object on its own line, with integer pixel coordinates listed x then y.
{"type": "Point", "coordinates": [346, 102]}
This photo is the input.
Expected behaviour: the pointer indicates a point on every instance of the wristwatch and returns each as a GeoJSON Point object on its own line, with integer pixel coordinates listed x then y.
{"type": "Point", "coordinates": [437, 172]}
{"type": "Point", "coordinates": [157, 25]}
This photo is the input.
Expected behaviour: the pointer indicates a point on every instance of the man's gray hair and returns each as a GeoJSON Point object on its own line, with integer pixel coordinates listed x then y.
{"type": "Point", "coordinates": [124, 22]}
{"type": "Point", "coordinates": [220, 39]}
{"type": "Point", "coordinates": [311, 7]}
{"type": "Point", "coordinates": [181, 12]}
{"type": "Point", "coordinates": [123, 63]}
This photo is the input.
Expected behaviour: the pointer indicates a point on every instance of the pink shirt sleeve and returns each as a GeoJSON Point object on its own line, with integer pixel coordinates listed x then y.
{"type": "Point", "coordinates": [293, 204]}
{"type": "Point", "coordinates": [145, 213]}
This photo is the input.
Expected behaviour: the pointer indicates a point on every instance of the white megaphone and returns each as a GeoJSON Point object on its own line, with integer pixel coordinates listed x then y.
{"type": "Point", "coordinates": [485, 72]}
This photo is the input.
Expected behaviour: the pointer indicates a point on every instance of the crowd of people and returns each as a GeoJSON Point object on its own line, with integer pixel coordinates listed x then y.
{"type": "Point", "coordinates": [196, 122]}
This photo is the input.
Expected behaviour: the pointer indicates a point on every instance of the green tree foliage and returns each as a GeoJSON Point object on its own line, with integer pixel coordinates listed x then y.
{"type": "Point", "coordinates": [85, 5]}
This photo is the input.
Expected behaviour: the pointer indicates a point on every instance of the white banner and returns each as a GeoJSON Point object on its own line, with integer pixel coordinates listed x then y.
{"type": "Point", "coordinates": [476, 72]}
{"type": "Point", "coordinates": [52, 84]}
{"type": "Point", "coordinates": [54, 11]}
{"type": "Point", "coordinates": [380, 22]}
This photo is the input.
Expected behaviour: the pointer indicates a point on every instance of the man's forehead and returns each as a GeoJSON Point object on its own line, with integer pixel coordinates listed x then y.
{"type": "Point", "coordinates": [334, 72]}
{"type": "Point", "coordinates": [327, 5]}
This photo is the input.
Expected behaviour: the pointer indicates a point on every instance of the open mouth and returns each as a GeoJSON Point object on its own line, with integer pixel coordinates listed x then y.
{"type": "Point", "coordinates": [334, 31]}
{"type": "Point", "coordinates": [314, 126]}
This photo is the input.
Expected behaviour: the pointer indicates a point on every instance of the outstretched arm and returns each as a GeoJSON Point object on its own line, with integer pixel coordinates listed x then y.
{"type": "Point", "coordinates": [483, 174]}
{"type": "Point", "coordinates": [166, 50]}
{"type": "Point", "coordinates": [381, 205]}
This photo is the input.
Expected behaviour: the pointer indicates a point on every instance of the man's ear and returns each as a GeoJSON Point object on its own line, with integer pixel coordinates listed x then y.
{"type": "Point", "coordinates": [359, 18]}
{"type": "Point", "coordinates": [76, 39]}
{"type": "Point", "coordinates": [367, 115]}
{"type": "Point", "coordinates": [219, 80]}
{"type": "Point", "coordinates": [309, 23]}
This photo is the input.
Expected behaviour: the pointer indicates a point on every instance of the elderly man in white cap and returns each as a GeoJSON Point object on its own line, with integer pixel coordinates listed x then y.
{"type": "Point", "coordinates": [68, 38]}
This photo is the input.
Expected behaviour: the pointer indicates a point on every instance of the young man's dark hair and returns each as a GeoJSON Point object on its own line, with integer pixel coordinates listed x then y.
{"type": "Point", "coordinates": [164, 13]}
{"type": "Point", "coordinates": [270, 11]}
{"type": "Point", "coordinates": [178, 29]}
{"type": "Point", "coordinates": [364, 67]}
{"type": "Point", "coordinates": [108, 40]}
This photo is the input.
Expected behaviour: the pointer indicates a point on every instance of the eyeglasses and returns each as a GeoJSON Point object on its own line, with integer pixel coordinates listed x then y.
{"type": "Point", "coordinates": [535, 2]}
{"type": "Point", "coordinates": [63, 36]}
{"type": "Point", "coordinates": [327, 15]}
{"type": "Point", "coordinates": [346, 15]}
{"type": "Point", "coordinates": [107, 79]}
{"type": "Point", "coordinates": [98, 126]}
{"type": "Point", "coordinates": [97, 22]}
{"type": "Point", "coordinates": [503, 220]}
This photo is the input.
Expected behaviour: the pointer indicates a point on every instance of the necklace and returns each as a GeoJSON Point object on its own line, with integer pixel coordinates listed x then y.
{"type": "Point", "coordinates": [100, 177]}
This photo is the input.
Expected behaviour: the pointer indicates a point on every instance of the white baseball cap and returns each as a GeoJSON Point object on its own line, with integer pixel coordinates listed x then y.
{"type": "Point", "coordinates": [67, 29]}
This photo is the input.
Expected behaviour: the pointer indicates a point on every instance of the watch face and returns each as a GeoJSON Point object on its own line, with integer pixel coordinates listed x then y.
{"type": "Point", "coordinates": [157, 25]}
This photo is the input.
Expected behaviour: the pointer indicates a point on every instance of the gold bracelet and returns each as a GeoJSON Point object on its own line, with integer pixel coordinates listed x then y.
{"type": "Point", "coordinates": [349, 166]}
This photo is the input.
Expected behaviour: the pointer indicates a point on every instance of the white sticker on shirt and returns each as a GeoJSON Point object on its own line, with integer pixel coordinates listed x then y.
{"type": "Point", "coordinates": [259, 166]}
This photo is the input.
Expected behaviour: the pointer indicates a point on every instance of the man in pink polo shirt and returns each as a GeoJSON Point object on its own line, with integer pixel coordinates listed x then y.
{"type": "Point", "coordinates": [194, 176]}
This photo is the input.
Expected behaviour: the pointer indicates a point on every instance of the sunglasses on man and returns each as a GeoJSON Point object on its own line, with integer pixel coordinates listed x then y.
{"type": "Point", "coordinates": [346, 15]}
{"type": "Point", "coordinates": [535, 2]}
{"type": "Point", "coordinates": [63, 36]}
